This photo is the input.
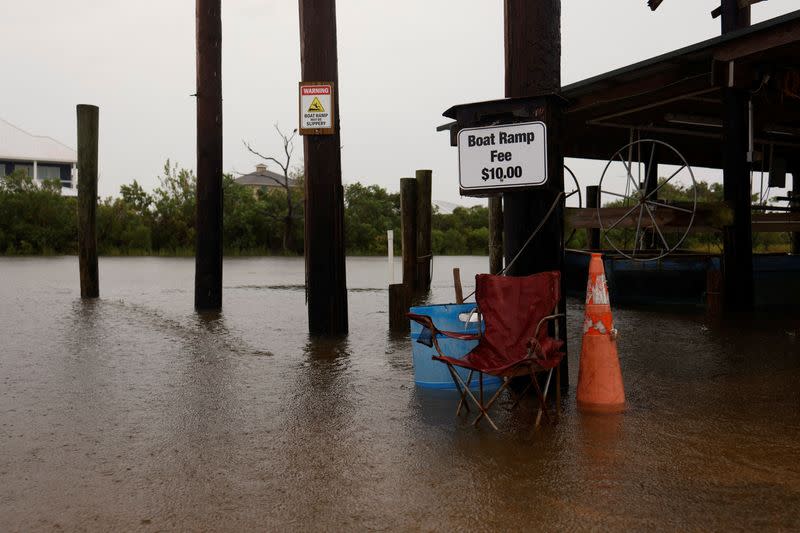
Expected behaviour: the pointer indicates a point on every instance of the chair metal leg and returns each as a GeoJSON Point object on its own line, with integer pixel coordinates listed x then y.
{"type": "Point", "coordinates": [558, 393]}
{"type": "Point", "coordinates": [454, 375]}
{"type": "Point", "coordinates": [542, 402]}
{"type": "Point", "coordinates": [492, 400]}
{"type": "Point", "coordinates": [463, 394]}
{"type": "Point", "coordinates": [475, 400]}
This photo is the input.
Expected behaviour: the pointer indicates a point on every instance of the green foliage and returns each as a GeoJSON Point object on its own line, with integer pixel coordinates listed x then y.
{"type": "Point", "coordinates": [369, 212]}
{"type": "Point", "coordinates": [35, 219]}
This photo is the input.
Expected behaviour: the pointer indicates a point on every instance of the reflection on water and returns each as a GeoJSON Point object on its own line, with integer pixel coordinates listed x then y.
{"type": "Point", "coordinates": [134, 411]}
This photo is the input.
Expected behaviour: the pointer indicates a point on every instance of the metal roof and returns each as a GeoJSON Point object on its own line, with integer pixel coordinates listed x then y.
{"type": "Point", "coordinates": [19, 145]}
{"type": "Point", "coordinates": [264, 178]}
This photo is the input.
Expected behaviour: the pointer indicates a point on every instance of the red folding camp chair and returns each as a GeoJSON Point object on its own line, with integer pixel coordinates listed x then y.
{"type": "Point", "coordinates": [516, 342]}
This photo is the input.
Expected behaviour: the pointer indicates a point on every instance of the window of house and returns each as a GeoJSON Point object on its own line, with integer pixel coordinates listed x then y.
{"type": "Point", "coordinates": [28, 169]}
{"type": "Point", "coordinates": [48, 172]}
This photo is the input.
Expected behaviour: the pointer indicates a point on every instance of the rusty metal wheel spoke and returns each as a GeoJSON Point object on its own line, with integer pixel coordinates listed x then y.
{"type": "Point", "coordinates": [634, 197]}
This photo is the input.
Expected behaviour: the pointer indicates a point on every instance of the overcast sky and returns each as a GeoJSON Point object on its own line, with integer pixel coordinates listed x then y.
{"type": "Point", "coordinates": [401, 64]}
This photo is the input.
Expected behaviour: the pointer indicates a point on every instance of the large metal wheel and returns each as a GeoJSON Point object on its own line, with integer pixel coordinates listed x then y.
{"type": "Point", "coordinates": [571, 188]}
{"type": "Point", "coordinates": [623, 186]}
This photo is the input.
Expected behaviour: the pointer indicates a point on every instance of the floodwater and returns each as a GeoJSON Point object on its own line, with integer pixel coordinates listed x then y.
{"type": "Point", "coordinates": [133, 412]}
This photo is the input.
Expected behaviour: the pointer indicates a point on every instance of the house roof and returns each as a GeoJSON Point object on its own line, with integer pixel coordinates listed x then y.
{"type": "Point", "coordinates": [19, 145]}
{"type": "Point", "coordinates": [264, 178]}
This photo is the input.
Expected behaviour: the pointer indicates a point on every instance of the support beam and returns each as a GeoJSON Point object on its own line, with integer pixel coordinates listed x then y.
{"type": "Point", "coordinates": [424, 219]}
{"type": "Point", "coordinates": [592, 202]}
{"type": "Point", "coordinates": [88, 136]}
{"type": "Point", "coordinates": [495, 234]}
{"type": "Point", "coordinates": [408, 228]}
{"type": "Point", "coordinates": [733, 17]}
{"type": "Point", "coordinates": [208, 214]}
{"type": "Point", "coordinates": [533, 67]}
{"type": "Point", "coordinates": [737, 260]}
{"type": "Point", "coordinates": [326, 283]}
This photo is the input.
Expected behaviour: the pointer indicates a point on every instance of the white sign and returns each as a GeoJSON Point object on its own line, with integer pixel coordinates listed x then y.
{"type": "Point", "coordinates": [316, 108]}
{"type": "Point", "coordinates": [496, 157]}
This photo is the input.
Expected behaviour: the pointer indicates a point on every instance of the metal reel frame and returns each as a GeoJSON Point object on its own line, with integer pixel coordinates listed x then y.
{"type": "Point", "coordinates": [572, 193]}
{"type": "Point", "coordinates": [643, 201]}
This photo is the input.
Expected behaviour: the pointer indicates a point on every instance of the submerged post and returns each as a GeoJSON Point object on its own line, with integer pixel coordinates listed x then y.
{"type": "Point", "coordinates": [408, 223]}
{"type": "Point", "coordinates": [532, 68]}
{"type": "Point", "coordinates": [424, 219]}
{"type": "Point", "coordinates": [495, 234]}
{"type": "Point", "coordinates": [88, 136]}
{"type": "Point", "coordinates": [399, 301]}
{"type": "Point", "coordinates": [208, 211]}
{"type": "Point", "coordinates": [326, 283]}
{"type": "Point", "coordinates": [592, 201]}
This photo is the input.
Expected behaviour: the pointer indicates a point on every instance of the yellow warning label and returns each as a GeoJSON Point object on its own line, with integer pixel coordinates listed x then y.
{"type": "Point", "coordinates": [316, 106]}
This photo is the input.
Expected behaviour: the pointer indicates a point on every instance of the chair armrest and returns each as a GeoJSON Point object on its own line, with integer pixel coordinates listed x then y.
{"type": "Point", "coordinates": [545, 319]}
{"type": "Point", "coordinates": [427, 321]}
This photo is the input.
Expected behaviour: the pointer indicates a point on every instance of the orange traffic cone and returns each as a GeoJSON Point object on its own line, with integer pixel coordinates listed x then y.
{"type": "Point", "coordinates": [599, 377]}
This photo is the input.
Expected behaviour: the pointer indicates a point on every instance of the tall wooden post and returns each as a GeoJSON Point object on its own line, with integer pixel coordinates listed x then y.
{"type": "Point", "coordinates": [495, 234]}
{"type": "Point", "coordinates": [424, 220]}
{"type": "Point", "coordinates": [592, 201]}
{"type": "Point", "coordinates": [408, 222]}
{"type": "Point", "coordinates": [88, 135]}
{"type": "Point", "coordinates": [208, 213]}
{"type": "Point", "coordinates": [533, 67]}
{"type": "Point", "coordinates": [737, 258]}
{"type": "Point", "coordinates": [794, 203]}
{"type": "Point", "coordinates": [326, 283]}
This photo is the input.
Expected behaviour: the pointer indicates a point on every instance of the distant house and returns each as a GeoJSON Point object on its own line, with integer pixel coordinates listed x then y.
{"type": "Point", "coordinates": [43, 158]}
{"type": "Point", "coordinates": [263, 179]}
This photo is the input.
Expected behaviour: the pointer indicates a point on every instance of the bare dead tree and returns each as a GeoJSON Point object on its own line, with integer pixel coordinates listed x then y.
{"type": "Point", "coordinates": [285, 166]}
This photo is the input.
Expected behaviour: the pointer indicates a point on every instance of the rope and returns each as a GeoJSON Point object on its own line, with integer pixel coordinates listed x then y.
{"type": "Point", "coordinates": [559, 197]}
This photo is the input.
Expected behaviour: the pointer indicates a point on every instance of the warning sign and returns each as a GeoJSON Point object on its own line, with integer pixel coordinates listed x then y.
{"type": "Point", "coordinates": [316, 108]}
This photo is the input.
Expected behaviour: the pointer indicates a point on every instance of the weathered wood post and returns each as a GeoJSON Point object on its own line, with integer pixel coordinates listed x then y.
{"type": "Point", "coordinates": [424, 220]}
{"type": "Point", "coordinates": [88, 136]}
{"type": "Point", "coordinates": [495, 234]}
{"type": "Point", "coordinates": [592, 201]}
{"type": "Point", "coordinates": [737, 263]}
{"type": "Point", "coordinates": [208, 211]}
{"type": "Point", "coordinates": [399, 302]}
{"type": "Point", "coordinates": [533, 67]}
{"type": "Point", "coordinates": [794, 203]}
{"type": "Point", "coordinates": [326, 283]}
{"type": "Point", "coordinates": [408, 223]}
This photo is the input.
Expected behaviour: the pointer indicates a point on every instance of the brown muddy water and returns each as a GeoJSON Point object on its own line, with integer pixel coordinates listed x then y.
{"type": "Point", "coordinates": [131, 412]}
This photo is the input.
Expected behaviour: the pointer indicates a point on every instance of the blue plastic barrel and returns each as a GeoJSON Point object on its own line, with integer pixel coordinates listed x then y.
{"type": "Point", "coordinates": [431, 374]}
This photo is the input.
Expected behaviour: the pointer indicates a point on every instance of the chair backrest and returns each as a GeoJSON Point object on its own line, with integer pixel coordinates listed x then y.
{"type": "Point", "coordinates": [512, 308]}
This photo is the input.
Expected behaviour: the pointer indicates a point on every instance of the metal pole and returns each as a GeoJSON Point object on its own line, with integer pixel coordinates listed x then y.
{"type": "Point", "coordinates": [390, 246]}
{"type": "Point", "coordinates": [208, 214]}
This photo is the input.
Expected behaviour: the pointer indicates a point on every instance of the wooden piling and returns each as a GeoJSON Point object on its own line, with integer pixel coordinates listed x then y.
{"type": "Point", "coordinates": [794, 203]}
{"type": "Point", "coordinates": [495, 234]}
{"type": "Point", "coordinates": [326, 284]}
{"type": "Point", "coordinates": [592, 201]}
{"type": "Point", "coordinates": [88, 138]}
{"type": "Point", "coordinates": [208, 211]}
{"type": "Point", "coordinates": [399, 302]}
{"type": "Point", "coordinates": [737, 255]}
{"type": "Point", "coordinates": [424, 219]}
{"type": "Point", "coordinates": [533, 67]}
{"type": "Point", "coordinates": [408, 223]}
{"type": "Point", "coordinates": [713, 292]}
{"type": "Point", "coordinates": [457, 286]}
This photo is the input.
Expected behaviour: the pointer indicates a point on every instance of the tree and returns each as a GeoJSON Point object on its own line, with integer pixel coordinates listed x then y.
{"type": "Point", "coordinates": [285, 166]}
